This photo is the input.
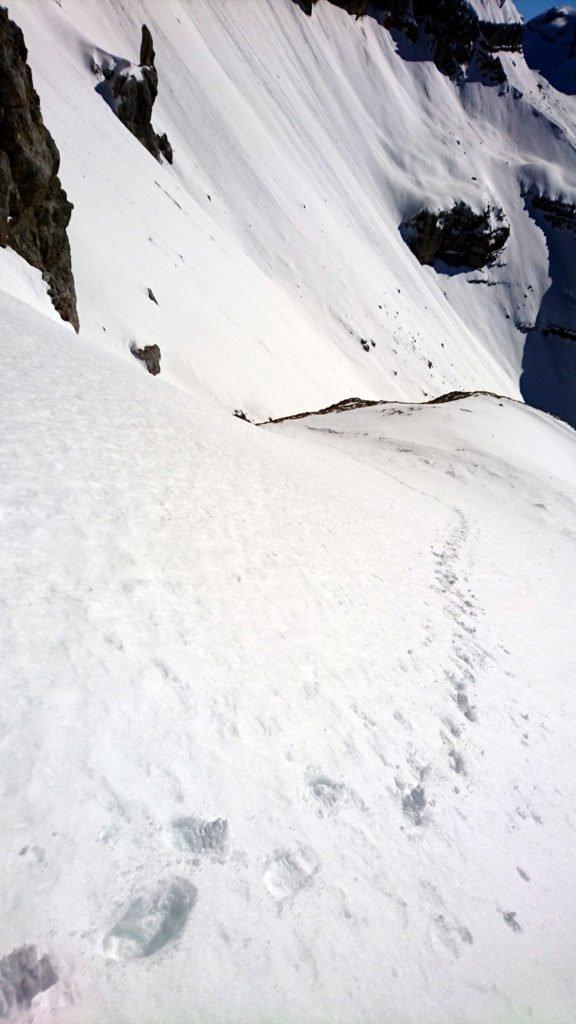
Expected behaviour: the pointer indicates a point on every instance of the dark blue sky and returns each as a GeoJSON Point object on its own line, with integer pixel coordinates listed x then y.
{"type": "Point", "coordinates": [528, 8]}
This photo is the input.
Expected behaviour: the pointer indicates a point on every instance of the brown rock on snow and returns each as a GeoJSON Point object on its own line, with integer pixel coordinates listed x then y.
{"type": "Point", "coordinates": [150, 355]}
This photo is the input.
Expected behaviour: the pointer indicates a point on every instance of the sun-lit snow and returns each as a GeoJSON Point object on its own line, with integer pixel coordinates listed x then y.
{"type": "Point", "coordinates": [287, 710]}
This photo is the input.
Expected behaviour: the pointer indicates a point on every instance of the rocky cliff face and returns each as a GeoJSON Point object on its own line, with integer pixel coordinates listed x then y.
{"type": "Point", "coordinates": [34, 208]}
{"type": "Point", "coordinates": [131, 91]}
{"type": "Point", "coordinates": [458, 237]}
{"type": "Point", "coordinates": [502, 36]}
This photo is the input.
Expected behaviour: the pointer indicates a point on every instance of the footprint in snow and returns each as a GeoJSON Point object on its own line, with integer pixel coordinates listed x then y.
{"type": "Point", "coordinates": [23, 975]}
{"type": "Point", "coordinates": [202, 838]}
{"type": "Point", "coordinates": [150, 921]}
{"type": "Point", "coordinates": [327, 792]}
{"type": "Point", "coordinates": [289, 871]}
{"type": "Point", "coordinates": [414, 805]}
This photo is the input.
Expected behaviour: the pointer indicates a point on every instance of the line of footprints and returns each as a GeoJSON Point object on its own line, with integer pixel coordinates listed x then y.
{"type": "Point", "coordinates": [149, 921]}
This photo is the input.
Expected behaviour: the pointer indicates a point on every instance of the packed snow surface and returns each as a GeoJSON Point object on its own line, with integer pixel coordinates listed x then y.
{"type": "Point", "coordinates": [288, 710]}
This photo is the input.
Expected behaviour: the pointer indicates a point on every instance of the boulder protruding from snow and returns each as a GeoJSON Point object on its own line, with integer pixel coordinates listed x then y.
{"type": "Point", "coordinates": [131, 91]}
{"type": "Point", "coordinates": [165, 148]}
{"type": "Point", "coordinates": [458, 237]}
{"type": "Point", "coordinates": [150, 355]}
{"type": "Point", "coordinates": [34, 208]}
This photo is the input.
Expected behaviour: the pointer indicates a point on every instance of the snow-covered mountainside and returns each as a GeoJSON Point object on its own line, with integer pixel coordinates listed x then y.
{"type": "Point", "coordinates": [550, 47]}
{"type": "Point", "coordinates": [272, 243]}
{"type": "Point", "coordinates": [288, 706]}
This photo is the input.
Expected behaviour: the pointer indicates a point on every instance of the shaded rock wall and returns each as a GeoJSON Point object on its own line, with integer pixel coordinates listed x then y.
{"type": "Point", "coordinates": [502, 36]}
{"type": "Point", "coordinates": [458, 237]}
{"type": "Point", "coordinates": [548, 378]}
{"type": "Point", "coordinates": [34, 208]}
{"type": "Point", "coordinates": [558, 213]}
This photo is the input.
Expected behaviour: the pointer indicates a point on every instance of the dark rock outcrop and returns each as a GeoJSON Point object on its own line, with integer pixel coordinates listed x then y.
{"type": "Point", "coordinates": [453, 27]}
{"type": "Point", "coordinates": [165, 148]}
{"type": "Point", "coordinates": [559, 331]}
{"type": "Point", "coordinates": [131, 93]}
{"type": "Point", "coordinates": [147, 53]}
{"type": "Point", "coordinates": [489, 68]}
{"type": "Point", "coordinates": [458, 237]}
{"type": "Point", "coordinates": [22, 976]}
{"type": "Point", "coordinates": [150, 355]}
{"type": "Point", "coordinates": [502, 36]}
{"type": "Point", "coordinates": [556, 212]}
{"type": "Point", "coordinates": [34, 208]}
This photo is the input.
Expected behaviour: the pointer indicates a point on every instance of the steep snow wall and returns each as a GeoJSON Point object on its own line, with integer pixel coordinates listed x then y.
{"type": "Point", "coordinates": [272, 244]}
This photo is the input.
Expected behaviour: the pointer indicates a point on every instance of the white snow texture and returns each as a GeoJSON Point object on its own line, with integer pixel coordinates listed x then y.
{"type": "Point", "coordinates": [288, 716]}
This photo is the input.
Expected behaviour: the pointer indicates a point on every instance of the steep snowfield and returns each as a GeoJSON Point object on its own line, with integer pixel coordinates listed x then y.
{"type": "Point", "coordinates": [272, 244]}
{"type": "Point", "coordinates": [288, 712]}
{"type": "Point", "coordinates": [496, 10]}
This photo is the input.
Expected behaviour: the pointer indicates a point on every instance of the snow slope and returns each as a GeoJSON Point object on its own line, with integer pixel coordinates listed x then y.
{"type": "Point", "coordinates": [272, 244]}
{"type": "Point", "coordinates": [288, 711]}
